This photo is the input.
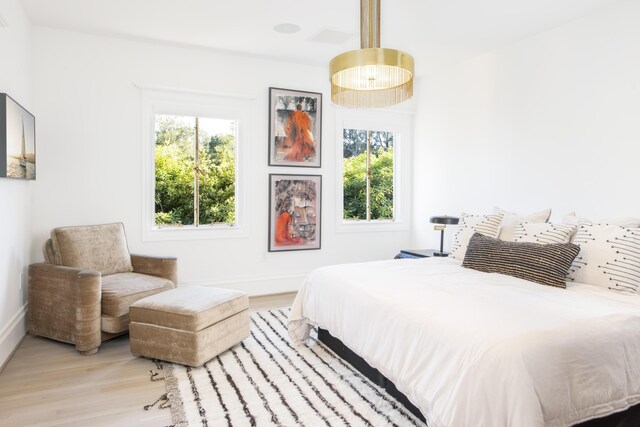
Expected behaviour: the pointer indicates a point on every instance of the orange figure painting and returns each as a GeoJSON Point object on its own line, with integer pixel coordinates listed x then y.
{"type": "Point", "coordinates": [295, 206]}
{"type": "Point", "coordinates": [284, 235]}
{"type": "Point", "coordinates": [298, 141]}
{"type": "Point", "coordinates": [295, 128]}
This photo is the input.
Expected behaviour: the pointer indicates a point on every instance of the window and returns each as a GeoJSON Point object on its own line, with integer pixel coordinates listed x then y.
{"type": "Point", "coordinates": [374, 170]}
{"type": "Point", "coordinates": [368, 174]}
{"type": "Point", "coordinates": [195, 167]}
{"type": "Point", "coordinates": [194, 175]}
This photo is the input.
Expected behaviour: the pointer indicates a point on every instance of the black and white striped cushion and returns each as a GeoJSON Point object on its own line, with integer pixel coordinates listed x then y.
{"type": "Point", "coordinates": [543, 233]}
{"type": "Point", "coordinates": [546, 264]}
{"type": "Point", "coordinates": [488, 225]}
{"type": "Point", "coordinates": [609, 257]}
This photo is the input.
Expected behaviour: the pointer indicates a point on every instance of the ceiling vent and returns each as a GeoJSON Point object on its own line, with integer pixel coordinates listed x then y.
{"type": "Point", "coordinates": [329, 36]}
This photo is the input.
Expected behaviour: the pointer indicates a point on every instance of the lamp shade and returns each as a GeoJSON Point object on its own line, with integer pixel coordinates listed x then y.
{"type": "Point", "coordinates": [371, 78]}
{"type": "Point", "coordinates": [445, 219]}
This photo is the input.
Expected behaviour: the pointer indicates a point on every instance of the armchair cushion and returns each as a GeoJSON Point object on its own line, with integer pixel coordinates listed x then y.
{"type": "Point", "coordinates": [101, 248]}
{"type": "Point", "coordinates": [121, 290]}
{"type": "Point", "coordinates": [113, 325]}
{"type": "Point", "coordinates": [47, 250]}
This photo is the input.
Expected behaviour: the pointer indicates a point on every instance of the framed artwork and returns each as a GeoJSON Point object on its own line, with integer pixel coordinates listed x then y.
{"type": "Point", "coordinates": [294, 212]}
{"type": "Point", "coordinates": [17, 140]}
{"type": "Point", "coordinates": [295, 128]}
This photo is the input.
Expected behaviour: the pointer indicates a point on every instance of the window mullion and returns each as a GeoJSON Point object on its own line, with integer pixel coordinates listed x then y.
{"type": "Point", "coordinates": [368, 175]}
{"type": "Point", "coordinates": [196, 183]}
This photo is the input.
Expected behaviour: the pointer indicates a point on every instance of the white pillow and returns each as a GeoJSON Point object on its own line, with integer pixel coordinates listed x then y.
{"type": "Point", "coordinates": [609, 257]}
{"type": "Point", "coordinates": [511, 220]}
{"type": "Point", "coordinates": [488, 225]}
{"type": "Point", "coordinates": [572, 219]}
{"type": "Point", "coordinates": [543, 233]}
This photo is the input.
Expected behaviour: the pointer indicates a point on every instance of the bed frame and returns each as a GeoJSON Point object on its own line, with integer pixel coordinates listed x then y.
{"type": "Point", "coordinates": [628, 418]}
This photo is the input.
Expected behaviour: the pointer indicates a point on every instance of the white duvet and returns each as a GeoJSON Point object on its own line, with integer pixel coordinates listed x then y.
{"type": "Point", "coordinates": [477, 349]}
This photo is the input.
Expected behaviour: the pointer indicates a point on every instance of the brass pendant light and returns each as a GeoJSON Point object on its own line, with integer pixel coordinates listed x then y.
{"type": "Point", "coordinates": [371, 77]}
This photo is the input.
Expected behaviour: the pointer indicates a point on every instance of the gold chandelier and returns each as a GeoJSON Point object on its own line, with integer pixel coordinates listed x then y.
{"type": "Point", "coordinates": [371, 77]}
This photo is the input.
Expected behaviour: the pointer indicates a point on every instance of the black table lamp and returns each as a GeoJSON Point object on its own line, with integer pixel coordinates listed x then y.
{"type": "Point", "coordinates": [442, 222]}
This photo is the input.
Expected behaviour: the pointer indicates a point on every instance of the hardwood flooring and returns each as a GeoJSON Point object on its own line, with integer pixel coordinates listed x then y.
{"type": "Point", "coordinates": [47, 383]}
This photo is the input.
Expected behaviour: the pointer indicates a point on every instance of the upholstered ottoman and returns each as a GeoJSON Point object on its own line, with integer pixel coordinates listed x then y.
{"type": "Point", "coordinates": [188, 325]}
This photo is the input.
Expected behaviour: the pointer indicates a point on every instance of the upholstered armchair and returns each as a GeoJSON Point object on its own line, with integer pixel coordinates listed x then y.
{"type": "Point", "coordinates": [82, 292]}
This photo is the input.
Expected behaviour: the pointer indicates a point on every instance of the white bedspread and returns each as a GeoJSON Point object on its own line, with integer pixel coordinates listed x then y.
{"type": "Point", "coordinates": [477, 349]}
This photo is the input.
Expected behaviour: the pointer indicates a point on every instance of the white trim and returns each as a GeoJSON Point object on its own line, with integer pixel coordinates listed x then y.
{"type": "Point", "coordinates": [354, 226]}
{"type": "Point", "coordinates": [401, 124]}
{"type": "Point", "coordinates": [256, 285]}
{"type": "Point", "coordinates": [12, 334]}
{"type": "Point", "coordinates": [172, 89]}
{"type": "Point", "coordinates": [177, 101]}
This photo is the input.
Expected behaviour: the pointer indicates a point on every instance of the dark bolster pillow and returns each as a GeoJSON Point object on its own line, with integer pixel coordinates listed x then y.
{"type": "Point", "coordinates": [544, 264]}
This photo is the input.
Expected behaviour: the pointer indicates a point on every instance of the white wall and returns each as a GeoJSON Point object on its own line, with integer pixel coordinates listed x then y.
{"type": "Point", "coordinates": [551, 121]}
{"type": "Point", "coordinates": [90, 154]}
{"type": "Point", "coordinates": [15, 195]}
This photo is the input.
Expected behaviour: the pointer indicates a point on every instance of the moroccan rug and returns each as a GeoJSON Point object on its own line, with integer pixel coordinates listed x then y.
{"type": "Point", "coordinates": [266, 381]}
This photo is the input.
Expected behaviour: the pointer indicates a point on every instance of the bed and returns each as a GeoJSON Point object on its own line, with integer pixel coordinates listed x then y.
{"type": "Point", "coordinates": [480, 349]}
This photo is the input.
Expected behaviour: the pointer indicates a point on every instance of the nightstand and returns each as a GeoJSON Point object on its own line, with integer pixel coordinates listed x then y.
{"type": "Point", "coordinates": [419, 253]}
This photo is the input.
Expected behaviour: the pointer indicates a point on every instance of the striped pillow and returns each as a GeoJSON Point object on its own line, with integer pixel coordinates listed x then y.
{"type": "Point", "coordinates": [511, 220]}
{"type": "Point", "coordinates": [609, 257]}
{"type": "Point", "coordinates": [543, 232]}
{"type": "Point", "coordinates": [545, 264]}
{"type": "Point", "coordinates": [488, 225]}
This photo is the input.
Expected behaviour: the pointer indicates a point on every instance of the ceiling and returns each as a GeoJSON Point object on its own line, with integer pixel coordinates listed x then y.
{"type": "Point", "coordinates": [436, 32]}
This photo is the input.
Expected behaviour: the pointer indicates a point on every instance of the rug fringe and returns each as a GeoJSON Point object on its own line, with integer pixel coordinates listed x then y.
{"type": "Point", "coordinates": [178, 415]}
{"type": "Point", "coordinates": [171, 398]}
{"type": "Point", "coordinates": [163, 400]}
{"type": "Point", "coordinates": [154, 376]}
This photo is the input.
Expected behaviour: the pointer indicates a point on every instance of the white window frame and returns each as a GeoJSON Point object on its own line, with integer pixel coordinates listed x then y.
{"type": "Point", "coordinates": [401, 125]}
{"type": "Point", "coordinates": [176, 102]}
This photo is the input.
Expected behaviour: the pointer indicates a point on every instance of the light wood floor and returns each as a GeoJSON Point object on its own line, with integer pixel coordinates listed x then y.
{"type": "Point", "coordinates": [47, 383]}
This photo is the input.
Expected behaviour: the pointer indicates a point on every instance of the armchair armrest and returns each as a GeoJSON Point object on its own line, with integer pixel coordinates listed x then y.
{"type": "Point", "coordinates": [64, 304]}
{"type": "Point", "coordinates": [165, 267]}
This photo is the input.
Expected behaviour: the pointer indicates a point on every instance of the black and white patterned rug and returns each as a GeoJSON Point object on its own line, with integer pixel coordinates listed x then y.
{"type": "Point", "coordinates": [266, 381]}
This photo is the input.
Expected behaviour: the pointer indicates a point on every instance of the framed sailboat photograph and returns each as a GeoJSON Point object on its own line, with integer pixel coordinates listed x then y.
{"type": "Point", "coordinates": [17, 140]}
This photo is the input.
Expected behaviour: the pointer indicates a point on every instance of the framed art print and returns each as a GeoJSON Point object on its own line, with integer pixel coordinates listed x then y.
{"type": "Point", "coordinates": [294, 212]}
{"type": "Point", "coordinates": [295, 128]}
{"type": "Point", "coordinates": [17, 140]}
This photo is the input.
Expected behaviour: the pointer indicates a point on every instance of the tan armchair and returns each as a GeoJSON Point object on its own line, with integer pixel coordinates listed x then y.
{"type": "Point", "coordinates": [82, 292]}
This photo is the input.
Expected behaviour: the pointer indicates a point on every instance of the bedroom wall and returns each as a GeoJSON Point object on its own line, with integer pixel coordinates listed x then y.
{"type": "Point", "coordinates": [90, 132]}
{"type": "Point", "coordinates": [551, 121]}
{"type": "Point", "coordinates": [15, 195]}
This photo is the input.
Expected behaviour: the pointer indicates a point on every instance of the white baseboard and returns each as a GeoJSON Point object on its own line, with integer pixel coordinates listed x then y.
{"type": "Point", "coordinates": [12, 334]}
{"type": "Point", "coordinates": [256, 285]}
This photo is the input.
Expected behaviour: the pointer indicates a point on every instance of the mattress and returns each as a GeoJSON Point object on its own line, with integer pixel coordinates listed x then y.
{"type": "Point", "coordinates": [479, 349]}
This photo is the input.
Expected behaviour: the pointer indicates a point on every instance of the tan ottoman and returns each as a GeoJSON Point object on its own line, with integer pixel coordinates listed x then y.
{"type": "Point", "coordinates": [189, 325]}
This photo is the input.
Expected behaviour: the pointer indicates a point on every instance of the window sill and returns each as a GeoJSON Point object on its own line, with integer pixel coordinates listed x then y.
{"type": "Point", "coordinates": [355, 226]}
{"type": "Point", "coordinates": [194, 233]}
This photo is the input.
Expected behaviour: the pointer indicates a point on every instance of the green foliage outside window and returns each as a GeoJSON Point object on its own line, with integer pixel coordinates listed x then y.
{"type": "Point", "coordinates": [175, 171]}
{"type": "Point", "coordinates": [380, 174]}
